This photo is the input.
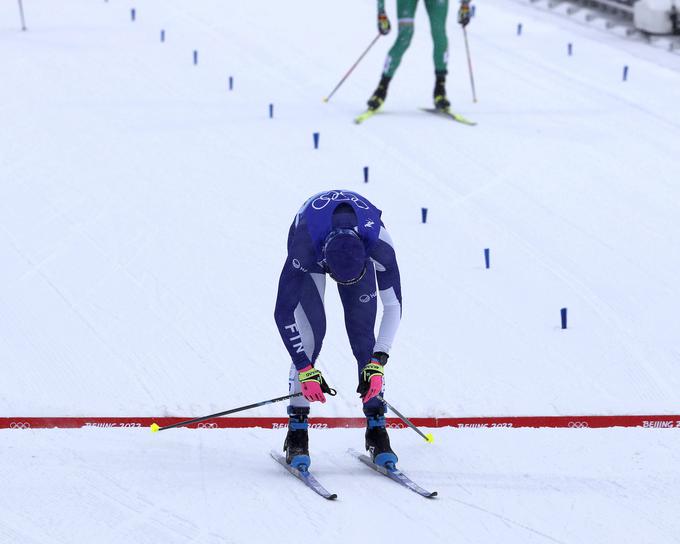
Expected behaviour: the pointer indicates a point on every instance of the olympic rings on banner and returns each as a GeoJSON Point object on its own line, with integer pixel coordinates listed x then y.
{"type": "Point", "coordinates": [19, 425]}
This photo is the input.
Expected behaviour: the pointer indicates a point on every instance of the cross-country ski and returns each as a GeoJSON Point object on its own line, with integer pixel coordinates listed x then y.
{"type": "Point", "coordinates": [447, 113]}
{"type": "Point", "coordinates": [393, 473]}
{"type": "Point", "coordinates": [364, 116]}
{"type": "Point", "coordinates": [305, 476]}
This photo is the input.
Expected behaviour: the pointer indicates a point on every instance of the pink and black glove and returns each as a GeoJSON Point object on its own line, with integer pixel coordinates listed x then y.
{"type": "Point", "coordinates": [371, 380]}
{"type": "Point", "coordinates": [313, 384]}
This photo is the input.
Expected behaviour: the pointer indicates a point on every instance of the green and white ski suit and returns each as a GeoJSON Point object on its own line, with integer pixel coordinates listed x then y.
{"type": "Point", "coordinates": [437, 11]}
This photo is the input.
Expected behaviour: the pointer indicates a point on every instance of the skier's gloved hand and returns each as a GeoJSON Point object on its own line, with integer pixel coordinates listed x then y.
{"type": "Point", "coordinates": [371, 380]}
{"type": "Point", "coordinates": [313, 384]}
{"type": "Point", "coordinates": [464, 12]}
{"type": "Point", "coordinates": [384, 26]}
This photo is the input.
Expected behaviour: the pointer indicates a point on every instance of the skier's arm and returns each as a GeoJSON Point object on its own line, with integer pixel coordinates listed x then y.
{"type": "Point", "coordinates": [389, 286]}
{"type": "Point", "coordinates": [291, 284]}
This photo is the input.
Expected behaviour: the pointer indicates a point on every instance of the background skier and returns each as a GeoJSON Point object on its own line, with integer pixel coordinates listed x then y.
{"type": "Point", "coordinates": [339, 233]}
{"type": "Point", "coordinates": [437, 11]}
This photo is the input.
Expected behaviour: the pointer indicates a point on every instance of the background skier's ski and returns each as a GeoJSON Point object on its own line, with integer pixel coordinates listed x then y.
{"type": "Point", "coordinates": [448, 113]}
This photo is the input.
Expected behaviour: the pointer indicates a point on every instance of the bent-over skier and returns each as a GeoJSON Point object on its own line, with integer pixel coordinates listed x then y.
{"type": "Point", "coordinates": [340, 234]}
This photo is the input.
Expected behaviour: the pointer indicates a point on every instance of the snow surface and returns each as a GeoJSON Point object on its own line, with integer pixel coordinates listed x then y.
{"type": "Point", "coordinates": [144, 210]}
{"type": "Point", "coordinates": [214, 487]}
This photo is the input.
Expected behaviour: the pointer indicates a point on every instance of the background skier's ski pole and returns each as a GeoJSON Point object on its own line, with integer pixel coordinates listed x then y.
{"type": "Point", "coordinates": [21, 12]}
{"type": "Point", "coordinates": [428, 437]}
{"type": "Point", "coordinates": [352, 68]}
{"type": "Point", "coordinates": [472, 79]}
{"type": "Point", "coordinates": [155, 428]}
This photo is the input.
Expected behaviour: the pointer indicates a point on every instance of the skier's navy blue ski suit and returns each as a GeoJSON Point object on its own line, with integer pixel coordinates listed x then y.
{"type": "Point", "coordinates": [299, 313]}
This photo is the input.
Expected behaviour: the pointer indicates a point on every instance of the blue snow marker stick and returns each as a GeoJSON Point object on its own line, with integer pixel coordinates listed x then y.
{"type": "Point", "coordinates": [231, 83]}
{"type": "Point", "coordinates": [365, 174]}
{"type": "Point", "coordinates": [271, 111]}
{"type": "Point", "coordinates": [133, 14]}
{"type": "Point", "coordinates": [570, 49]}
{"type": "Point", "coordinates": [195, 57]}
{"type": "Point", "coordinates": [625, 73]}
{"type": "Point", "coordinates": [519, 29]}
{"type": "Point", "coordinates": [487, 261]}
{"type": "Point", "coordinates": [563, 315]}
{"type": "Point", "coordinates": [316, 140]}
{"type": "Point", "coordinates": [424, 214]}
{"type": "Point", "coordinates": [162, 35]}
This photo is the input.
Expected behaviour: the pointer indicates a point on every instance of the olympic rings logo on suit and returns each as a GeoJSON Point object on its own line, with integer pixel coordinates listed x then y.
{"type": "Point", "coordinates": [578, 424]}
{"type": "Point", "coordinates": [207, 426]}
{"type": "Point", "coordinates": [320, 202]}
{"type": "Point", "coordinates": [367, 298]}
{"type": "Point", "coordinates": [19, 425]}
{"type": "Point", "coordinates": [298, 265]}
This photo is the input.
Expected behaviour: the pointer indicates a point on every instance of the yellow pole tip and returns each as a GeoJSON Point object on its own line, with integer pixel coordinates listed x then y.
{"type": "Point", "coordinates": [429, 437]}
{"type": "Point", "coordinates": [325, 99]}
{"type": "Point", "coordinates": [154, 427]}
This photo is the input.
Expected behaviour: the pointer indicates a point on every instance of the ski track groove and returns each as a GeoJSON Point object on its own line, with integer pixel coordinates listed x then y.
{"type": "Point", "coordinates": [509, 521]}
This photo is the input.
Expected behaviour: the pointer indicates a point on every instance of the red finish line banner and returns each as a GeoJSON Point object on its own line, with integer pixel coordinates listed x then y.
{"type": "Point", "coordinates": [571, 422]}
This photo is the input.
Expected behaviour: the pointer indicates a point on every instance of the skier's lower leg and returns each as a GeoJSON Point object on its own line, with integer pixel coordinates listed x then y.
{"type": "Point", "coordinates": [296, 444]}
{"type": "Point", "coordinates": [441, 102]}
{"type": "Point", "coordinates": [379, 94]}
{"type": "Point", "coordinates": [378, 441]}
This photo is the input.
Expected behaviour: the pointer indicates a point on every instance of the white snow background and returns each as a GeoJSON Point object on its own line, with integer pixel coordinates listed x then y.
{"type": "Point", "coordinates": [144, 210]}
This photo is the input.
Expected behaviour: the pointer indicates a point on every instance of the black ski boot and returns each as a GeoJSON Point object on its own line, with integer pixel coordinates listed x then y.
{"type": "Point", "coordinates": [440, 100]}
{"type": "Point", "coordinates": [378, 442]}
{"type": "Point", "coordinates": [296, 445]}
{"type": "Point", "coordinates": [380, 94]}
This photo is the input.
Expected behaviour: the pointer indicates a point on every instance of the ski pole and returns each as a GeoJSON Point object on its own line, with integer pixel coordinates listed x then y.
{"type": "Point", "coordinates": [472, 79]}
{"type": "Point", "coordinates": [21, 12]}
{"type": "Point", "coordinates": [428, 437]}
{"type": "Point", "coordinates": [352, 68]}
{"type": "Point", "coordinates": [155, 427]}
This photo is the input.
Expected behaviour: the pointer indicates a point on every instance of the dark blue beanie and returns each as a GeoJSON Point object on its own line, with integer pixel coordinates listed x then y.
{"type": "Point", "coordinates": [345, 255]}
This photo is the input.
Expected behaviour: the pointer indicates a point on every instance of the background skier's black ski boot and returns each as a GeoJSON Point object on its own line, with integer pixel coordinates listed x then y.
{"type": "Point", "coordinates": [440, 101]}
